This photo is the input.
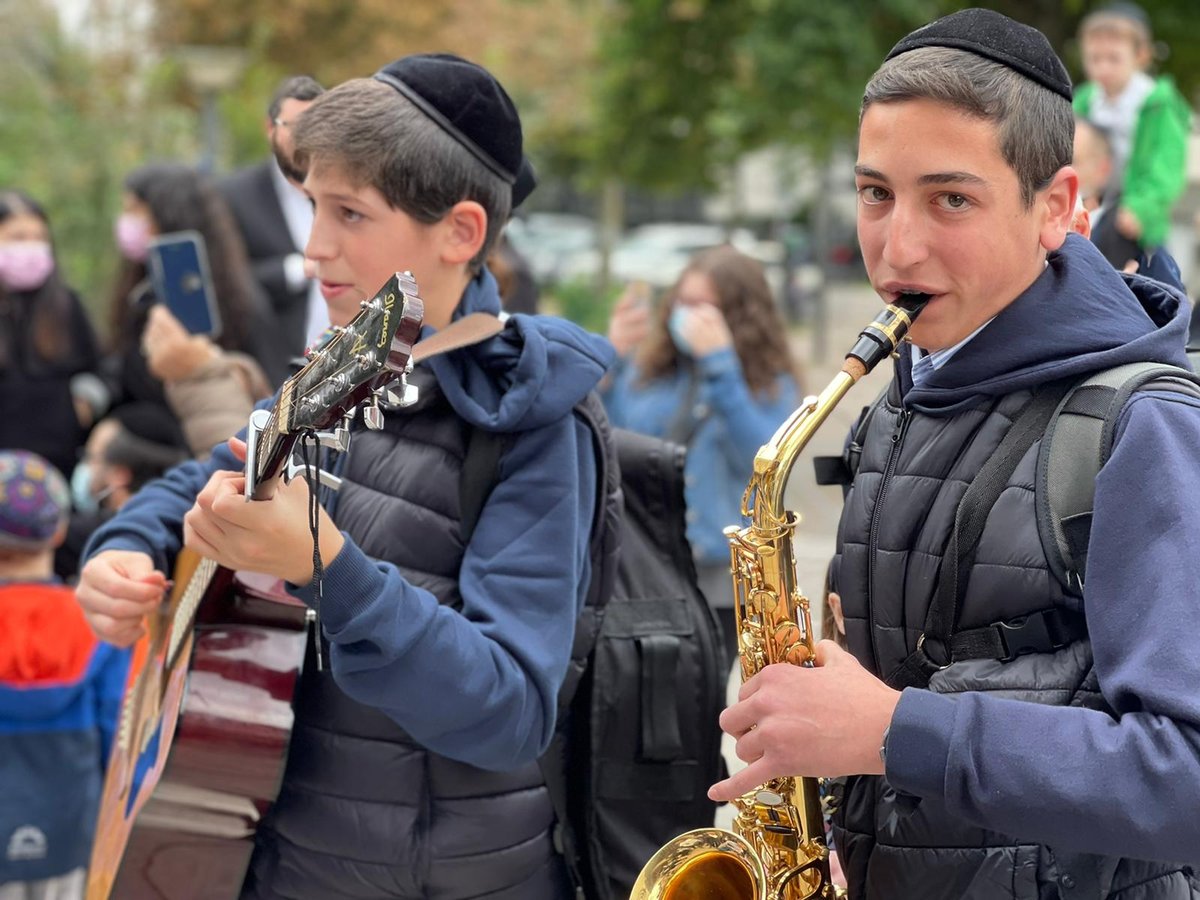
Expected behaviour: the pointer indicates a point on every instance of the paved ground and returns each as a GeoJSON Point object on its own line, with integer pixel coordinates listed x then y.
{"type": "Point", "coordinates": [850, 307]}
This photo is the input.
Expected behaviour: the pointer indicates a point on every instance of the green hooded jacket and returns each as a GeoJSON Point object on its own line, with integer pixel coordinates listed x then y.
{"type": "Point", "coordinates": [1157, 168]}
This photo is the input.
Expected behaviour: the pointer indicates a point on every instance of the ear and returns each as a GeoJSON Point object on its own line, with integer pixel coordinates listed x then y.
{"type": "Point", "coordinates": [120, 477]}
{"type": "Point", "coordinates": [835, 606]}
{"type": "Point", "coordinates": [1056, 205]}
{"type": "Point", "coordinates": [464, 231]}
{"type": "Point", "coordinates": [1143, 55]}
{"type": "Point", "coordinates": [1082, 222]}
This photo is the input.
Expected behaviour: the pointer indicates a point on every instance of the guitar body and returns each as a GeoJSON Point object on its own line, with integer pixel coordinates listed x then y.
{"type": "Point", "coordinates": [177, 820]}
{"type": "Point", "coordinates": [205, 723]}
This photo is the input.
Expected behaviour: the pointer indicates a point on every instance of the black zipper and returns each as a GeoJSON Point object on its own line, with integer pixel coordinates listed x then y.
{"type": "Point", "coordinates": [873, 535]}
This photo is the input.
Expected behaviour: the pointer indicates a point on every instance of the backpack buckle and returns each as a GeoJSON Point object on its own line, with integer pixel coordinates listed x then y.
{"type": "Point", "coordinates": [1028, 634]}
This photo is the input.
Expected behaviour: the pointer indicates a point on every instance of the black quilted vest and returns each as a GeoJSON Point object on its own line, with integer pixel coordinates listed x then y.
{"type": "Point", "coordinates": [364, 811]}
{"type": "Point", "coordinates": [896, 523]}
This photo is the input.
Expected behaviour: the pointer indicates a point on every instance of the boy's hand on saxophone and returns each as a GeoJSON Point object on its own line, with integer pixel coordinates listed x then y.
{"type": "Point", "coordinates": [802, 721]}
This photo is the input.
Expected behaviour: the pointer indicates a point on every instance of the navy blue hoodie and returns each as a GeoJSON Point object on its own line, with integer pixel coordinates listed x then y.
{"type": "Point", "coordinates": [392, 645]}
{"type": "Point", "coordinates": [1073, 778]}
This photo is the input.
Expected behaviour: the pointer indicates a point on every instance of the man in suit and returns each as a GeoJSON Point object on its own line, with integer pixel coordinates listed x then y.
{"type": "Point", "coordinates": [275, 217]}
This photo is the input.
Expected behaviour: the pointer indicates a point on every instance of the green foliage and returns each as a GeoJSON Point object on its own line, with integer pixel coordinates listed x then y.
{"type": "Point", "coordinates": [581, 302]}
{"type": "Point", "coordinates": [664, 66]}
{"type": "Point", "coordinates": [683, 88]}
{"type": "Point", "coordinates": [73, 125]}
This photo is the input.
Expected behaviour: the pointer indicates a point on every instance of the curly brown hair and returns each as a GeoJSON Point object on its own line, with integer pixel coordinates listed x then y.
{"type": "Point", "coordinates": [759, 335]}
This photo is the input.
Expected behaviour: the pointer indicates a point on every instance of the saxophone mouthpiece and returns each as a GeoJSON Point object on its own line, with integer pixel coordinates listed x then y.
{"type": "Point", "coordinates": [879, 340]}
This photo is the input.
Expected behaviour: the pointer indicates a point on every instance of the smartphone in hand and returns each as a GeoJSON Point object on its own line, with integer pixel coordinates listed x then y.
{"type": "Point", "coordinates": [180, 275]}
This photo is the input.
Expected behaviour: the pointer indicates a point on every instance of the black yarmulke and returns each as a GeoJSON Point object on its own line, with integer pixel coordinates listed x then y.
{"type": "Point", "coordinates": [994, 36]}
{"type": "Point", "coordinates": [465, 101]}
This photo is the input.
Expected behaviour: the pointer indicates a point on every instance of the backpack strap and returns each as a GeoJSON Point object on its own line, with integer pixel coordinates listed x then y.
{"type": "Point", "coordinates": [1076, 446]}
{"type": "Point", "coordinates": [935, 648]}
{"type": "Point", "coordinates": [842, 469]}
{"type": "Point", "coordinates": [480, 473]}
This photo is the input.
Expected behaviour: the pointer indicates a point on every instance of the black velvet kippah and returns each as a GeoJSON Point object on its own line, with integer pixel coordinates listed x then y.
{"type": "Point", "coordinates": [994, 36]}
{"type": "Point", "coordinates": [466, 102]}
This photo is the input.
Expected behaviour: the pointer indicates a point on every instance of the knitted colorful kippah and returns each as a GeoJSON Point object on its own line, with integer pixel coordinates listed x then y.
{"type": "Point", "coordinates": [34, 500]}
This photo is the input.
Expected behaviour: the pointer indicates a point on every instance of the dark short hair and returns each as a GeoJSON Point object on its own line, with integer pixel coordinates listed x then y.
{"type": "Point", "coordinates": [1036, 126]}
{"type": "Point", "coordinates": [147, 442]}
{"type": "Point", "coordinates": [297, 87]}
{"type": "Point", "coordinates": [378, 137]}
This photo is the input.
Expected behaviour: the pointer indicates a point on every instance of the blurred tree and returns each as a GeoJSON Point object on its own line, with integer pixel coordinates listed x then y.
{"type": "Point", "coordinates": [535, 47]}
{"type": "Point", "coordinates": [686, 86]}
{"type": "Point", "coordinates": [663, 69]}
{"type": "Point", "coordinates": [73, 124]}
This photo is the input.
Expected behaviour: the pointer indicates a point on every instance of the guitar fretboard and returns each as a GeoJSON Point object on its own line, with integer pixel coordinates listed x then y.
{"type": "Point", "coordinates": [138, 708]}
{"type": "Point", "coordinates": [185, 611]}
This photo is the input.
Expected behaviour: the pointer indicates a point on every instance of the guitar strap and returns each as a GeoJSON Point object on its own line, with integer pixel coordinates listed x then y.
{"type": "Point", "coordinates": [470, 329]}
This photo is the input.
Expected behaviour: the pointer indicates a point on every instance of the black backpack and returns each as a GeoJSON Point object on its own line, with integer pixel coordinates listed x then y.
{"type": "Point", "coordinates": [1075, 421]}
{"type": "Point", "coordinates": [1076, 445]}
{"type": "Point", "coordinates": [638, 743]}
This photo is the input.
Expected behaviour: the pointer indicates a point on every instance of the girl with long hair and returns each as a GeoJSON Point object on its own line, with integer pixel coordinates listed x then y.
{"type": "Point", "coordinates": [162, 198]}
{"type": "Point", "coordinates": [47, 344]}
{"type": "Point", "coordinates": [712, 370]}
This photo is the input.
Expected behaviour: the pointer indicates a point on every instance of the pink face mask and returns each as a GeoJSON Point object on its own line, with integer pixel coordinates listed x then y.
{"type": "Point", "coordinates": [25, 265]}
{"type": "Point", "coordinates": [133, 236]}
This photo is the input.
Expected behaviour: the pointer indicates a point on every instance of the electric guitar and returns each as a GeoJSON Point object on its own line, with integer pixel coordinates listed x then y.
{"type": "Point", "coordinates": [203, 734]}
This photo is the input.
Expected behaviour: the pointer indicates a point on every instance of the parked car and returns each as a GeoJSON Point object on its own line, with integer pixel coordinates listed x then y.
{"type": "Point", "coordinates": [551, 241]}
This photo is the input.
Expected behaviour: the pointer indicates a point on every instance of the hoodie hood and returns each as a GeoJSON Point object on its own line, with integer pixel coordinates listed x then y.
{"type": "Point", "coordinates": [530, 374]}
{"type": "Point", "coordinates": [46, 650]}
{"type": "Point", "coordinates": [1080, 316]}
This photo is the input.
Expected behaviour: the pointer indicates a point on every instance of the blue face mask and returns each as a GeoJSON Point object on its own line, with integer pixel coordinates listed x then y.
{"type": "Point", "coordinates": [81, 489]}
{"type": "Point", "coordinates": [675, 325]}
{"type": "Point", "coordinates": [82, 497]}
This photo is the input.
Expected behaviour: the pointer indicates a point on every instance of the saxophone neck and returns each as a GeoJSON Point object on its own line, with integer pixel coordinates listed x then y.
{"type": "Point", "coordinates": [776, 458]}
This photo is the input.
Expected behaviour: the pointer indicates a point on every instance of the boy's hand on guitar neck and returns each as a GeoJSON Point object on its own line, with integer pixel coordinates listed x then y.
{"type": "Point", "coordinates": [268, 536]}
{"type": "Point", "coordinates": [117, 590]}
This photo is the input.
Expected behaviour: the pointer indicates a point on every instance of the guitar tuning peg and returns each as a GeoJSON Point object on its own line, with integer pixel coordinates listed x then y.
{"type": "Point", "coordinates": [325, 479]}
{"type": "Point", "coordinates": [408, 393]}
{"type": "Point", "coordinates": [372, 414]}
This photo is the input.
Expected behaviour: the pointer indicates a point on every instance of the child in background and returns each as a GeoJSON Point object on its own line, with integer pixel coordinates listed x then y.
{"type": "Point", "coordinates": [833, 626]}
{"type": "Point", "coordinates": [1146, 119]}
{"type": "Point", "coordinates": [60, 695]}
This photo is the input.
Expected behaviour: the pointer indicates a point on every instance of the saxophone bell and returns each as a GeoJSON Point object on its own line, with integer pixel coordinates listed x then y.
{"type": "Point", "coordinates": [777, 849]}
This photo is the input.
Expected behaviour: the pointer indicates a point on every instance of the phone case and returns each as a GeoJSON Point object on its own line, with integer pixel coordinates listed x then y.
{"type": "Point", "coordinates": [180, 274]}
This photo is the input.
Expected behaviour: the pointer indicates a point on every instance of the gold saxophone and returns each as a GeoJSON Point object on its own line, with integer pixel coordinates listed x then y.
{"type": "Point", "coordinates": [777, 849]}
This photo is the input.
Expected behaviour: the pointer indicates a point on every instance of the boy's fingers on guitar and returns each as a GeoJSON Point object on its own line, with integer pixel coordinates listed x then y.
{"type": "Point", "coordinates": [118, 608]}
{"type": "Point", "coordinates": [101, 579]}
{"type": "Point", "coordinates": [219, 483]}
{"type": "Point", "coordinates": [119, 632]}
{"type": "Point", "coordinates": [202, 536]}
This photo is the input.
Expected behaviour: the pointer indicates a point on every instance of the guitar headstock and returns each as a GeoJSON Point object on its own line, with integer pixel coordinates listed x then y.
{"type": "Point", "coordinates": [361, 358]}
